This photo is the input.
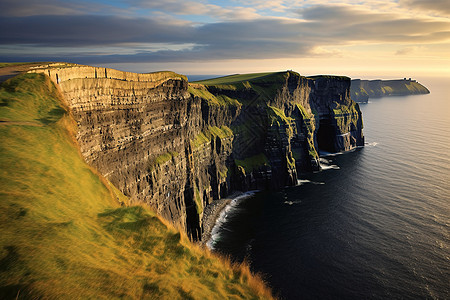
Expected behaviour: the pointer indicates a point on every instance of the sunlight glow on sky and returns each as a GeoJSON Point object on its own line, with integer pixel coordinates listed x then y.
{"type": "Point", "coordinates": [403, 38]}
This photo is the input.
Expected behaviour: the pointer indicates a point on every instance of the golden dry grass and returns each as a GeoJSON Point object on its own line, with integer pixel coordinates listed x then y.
{"type": "Point", "coordinates": [64, 234]}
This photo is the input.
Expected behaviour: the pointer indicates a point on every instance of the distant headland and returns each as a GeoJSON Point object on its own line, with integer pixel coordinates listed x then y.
{"type": "Point", "coordinates": [362, 90]}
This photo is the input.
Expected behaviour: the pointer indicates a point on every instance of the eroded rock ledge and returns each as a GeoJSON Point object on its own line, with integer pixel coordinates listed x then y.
{"type": "Point", "coordinates": [178, 146]}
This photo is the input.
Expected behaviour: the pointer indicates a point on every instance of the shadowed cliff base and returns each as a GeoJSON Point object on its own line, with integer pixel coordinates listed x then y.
{"type": "Point", "coordinates": [64, 231]}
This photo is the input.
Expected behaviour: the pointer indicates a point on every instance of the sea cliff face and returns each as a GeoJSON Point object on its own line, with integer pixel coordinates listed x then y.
{"type": "Point", "coordinates": [362, 90]}
{"type": "Point", "coordinates": [178, 146]}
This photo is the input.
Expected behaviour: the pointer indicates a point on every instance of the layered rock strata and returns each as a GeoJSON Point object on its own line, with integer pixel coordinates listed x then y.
{"type": "Point", "coordinates": [178, 146]}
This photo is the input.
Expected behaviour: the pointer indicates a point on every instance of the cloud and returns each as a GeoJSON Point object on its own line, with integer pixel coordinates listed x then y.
{"type": "Point", "coordinates": [85, 30]}
{"type": "Point", "coordinates": [316, 31]}
{"type": "Point", "coordinates": [409, 50]}
{"type": "Point", "coordinates": [24, 8]}
{"type": "Point", "coordinates": [353, 24]}
{"type": "Point", "coordinates": [195, 8]}
{"type": "Point", "coordinates": [441, 7]}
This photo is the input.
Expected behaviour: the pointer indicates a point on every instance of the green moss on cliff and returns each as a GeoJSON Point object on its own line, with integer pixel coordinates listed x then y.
{"type": "Point", "coordinates": [212, 131]}
{"type": "Point", "coordinates": [340, 109]}
{"type": "Point", "coordinates": [198, 201]}
{"type": "Point", "coordinates": [303, 111]}
{"type": "Point", "coordinates": [290, 161]}
{"type": "Point", "coordinates": [278, 118]}
{"type": "Point", "coordinates": [223, 172]}
{"type": "Point", "coordinates": [346, 115]}
{"type": "Point", "coordinates": [64, 235]}
{"type": "Point", "coordinates": [161, 159]}
{"type": "Point", "coordinates": [251, 163]}
{"type": "Point", "coordinates": [203, 93]}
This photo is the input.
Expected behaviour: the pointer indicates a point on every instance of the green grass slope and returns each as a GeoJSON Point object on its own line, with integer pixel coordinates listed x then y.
{"type": "Point", "coordinates": [403, 87]}
{"type": "Point", "coordinates": [63, 233]}
{"type": "Point", "coordinates": [264, 85]}
{"type": "Point", "coordinates": [233, 78]}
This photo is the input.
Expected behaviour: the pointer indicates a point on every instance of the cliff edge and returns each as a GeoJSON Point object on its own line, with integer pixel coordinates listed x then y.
{"type": "Point", "coordinates": [178, 146]}
{"type": "Point", "coordinates": [64, 234]}
{"type": "Point", "coordinates": [362, 90]}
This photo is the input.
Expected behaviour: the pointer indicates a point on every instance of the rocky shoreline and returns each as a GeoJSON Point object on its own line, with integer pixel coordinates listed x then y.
{"type": "Point", "coordinates": [212, 213]}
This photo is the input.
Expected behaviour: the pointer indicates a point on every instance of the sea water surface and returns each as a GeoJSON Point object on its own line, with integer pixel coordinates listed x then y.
{"type": "Point", "coordinates": [375, 224]}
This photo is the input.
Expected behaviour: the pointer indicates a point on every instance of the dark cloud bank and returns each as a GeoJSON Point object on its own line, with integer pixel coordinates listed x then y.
{"type": "Point", "coordinates": [316, 26]}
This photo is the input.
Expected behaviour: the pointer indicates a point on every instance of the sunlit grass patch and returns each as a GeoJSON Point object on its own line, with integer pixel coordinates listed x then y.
{"type": "Point", "coordinates": [64, 233]}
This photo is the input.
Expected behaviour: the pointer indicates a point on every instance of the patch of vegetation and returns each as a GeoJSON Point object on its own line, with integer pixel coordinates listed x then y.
{"type": "Point", "coordinates": [345, 109]}
{"type": "Point", "coordinates": [290, 161]}
{"type": "Point", "coordinates": [345, 115]}
{"type": "Point", "coordinates": [303, 111]}
{"type": "Point", "coordinates": [277, 117]}
{"type": "Point", "coordinates": [268, 87]}
{"type": "Point", "coordinates": [12, 64]}
{"type": "Point", "coordinates": [64, 234]}
{"type": "Point", "coordinates": [212, 131]}
{"type": "Point", "coordinates": [311, 149]}
{"type": "Point", "coordinates": [233, 78]}
{"type": "Point", "coordinates": [252, 162]}
{"type": "Point", "coordinates": [362, 89]}
{"type": "Point", "coordinates": [198, 200]}
{"type": "Point", "coordinates": [252, 89]}
{"type": "Point", "coordinates": [315, 77]}
{"type": "Point", "coordinates": [161, 159]}
{"type": "Point", "coordinates": [223, 172]}
{"type": "Point", "coordinates": [203, 93]}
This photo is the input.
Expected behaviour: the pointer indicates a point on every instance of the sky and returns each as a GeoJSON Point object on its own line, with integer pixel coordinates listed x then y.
{"type": "Point", "coordinates": [357, 38]}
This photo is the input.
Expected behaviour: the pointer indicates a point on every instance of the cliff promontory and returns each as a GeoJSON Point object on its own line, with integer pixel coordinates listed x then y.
{"type": "Point", "coordinates": [64, 233]}
{"type": "Point", "coordinates": [178, 146]}
{"type": "Point", "coordinates": [362, 90]}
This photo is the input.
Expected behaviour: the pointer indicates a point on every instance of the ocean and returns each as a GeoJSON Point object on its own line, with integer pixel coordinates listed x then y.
{"type": "Point", "coordinates": [374, 224]}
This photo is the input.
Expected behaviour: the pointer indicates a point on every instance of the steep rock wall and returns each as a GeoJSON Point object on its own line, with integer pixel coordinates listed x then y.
{"type": "Point", "coordinates": [136, 129]}
{"type": "Point", "coordinates": [285, 120]}
{"type": "Point", "coordinates": [178, 146]}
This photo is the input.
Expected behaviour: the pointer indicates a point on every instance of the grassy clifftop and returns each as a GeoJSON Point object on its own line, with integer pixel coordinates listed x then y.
{"type": "Point", "coordinates": [64, 233]}
{"type": "Point", "coordinates": [362, 90]}
{"type": "Point", "coordinates": [264, 85]}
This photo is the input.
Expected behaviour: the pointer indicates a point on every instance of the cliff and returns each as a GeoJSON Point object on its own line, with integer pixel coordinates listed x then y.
{"type": "Point", "coordinates": [64, 234]}
{"type": "Point", "coordinates": [362, 90]}
{"type": "Point", "coordinates": [178, 146]}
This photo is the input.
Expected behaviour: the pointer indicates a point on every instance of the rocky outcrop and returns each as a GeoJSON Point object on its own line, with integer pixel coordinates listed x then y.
{"type": "Point", "coordinates": [284, 121]}
{"type": "Point", "coordinates": [178, 146]}
{"type": "Point", "coordinates": [362, 90]}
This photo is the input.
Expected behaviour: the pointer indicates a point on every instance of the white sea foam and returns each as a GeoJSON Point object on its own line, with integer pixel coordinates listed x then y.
{"type": "Point", "coordinates": [329, 154]}
{"type": "Point", "coordinates": [292, 202]}
{"type": "Point", "coordinates": [304, 181]}
{"type": "Point", "coordinates": [230, 208]}
{"type": "Point", "coordinates": [329, 167]}
{"type": "Point", "coordinates": [373, 144]}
